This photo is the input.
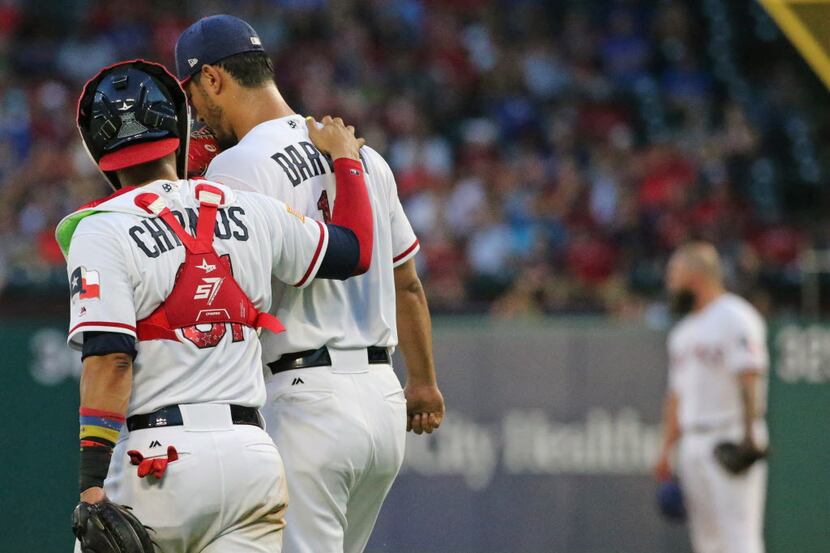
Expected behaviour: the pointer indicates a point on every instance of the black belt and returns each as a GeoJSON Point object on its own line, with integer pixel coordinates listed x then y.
{"type": "Point", "coordinates": [717, 426]}
{"type": "Point", "coordinates": [322, 358]}
{"type": "Point", "coordinates": [172, 416]}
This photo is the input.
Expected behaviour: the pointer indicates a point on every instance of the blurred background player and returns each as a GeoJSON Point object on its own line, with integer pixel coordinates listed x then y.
{"type": "Point", "coordinates": [335, 408]}
{"type": "Point", "coordinates": [717, 393]}
{"type": "Point", "coordinates": [167, 318]}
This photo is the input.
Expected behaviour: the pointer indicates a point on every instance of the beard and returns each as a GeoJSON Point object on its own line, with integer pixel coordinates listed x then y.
{"type": "Point", "coordinates": [214, 118]}
{"type": "Point", "coordinates": [224, 139]}
{"type": "Point", "coordinates": [682, 302]}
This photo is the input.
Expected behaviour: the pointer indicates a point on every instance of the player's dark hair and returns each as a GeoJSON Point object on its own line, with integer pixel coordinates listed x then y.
{"type": "Point", "coordinates": [250, 69]}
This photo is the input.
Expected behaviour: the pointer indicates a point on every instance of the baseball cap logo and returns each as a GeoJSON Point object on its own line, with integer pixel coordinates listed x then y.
{"type": "Point", "coordinates": [255, 41]}
{"type": "Point", "coordinates": [192, 61]}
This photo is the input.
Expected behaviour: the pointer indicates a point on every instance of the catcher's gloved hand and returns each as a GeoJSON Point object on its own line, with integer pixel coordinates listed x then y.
{"type": "Point", "coordinates": [737, 458]}
{"type": "Point", "coordinates": [109, 528]}
{"type": "Point", "coordinates": [203, 148]}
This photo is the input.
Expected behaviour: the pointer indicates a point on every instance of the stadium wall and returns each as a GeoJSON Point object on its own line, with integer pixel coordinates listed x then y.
{"type": "Point", "coordinates": [547, 447]}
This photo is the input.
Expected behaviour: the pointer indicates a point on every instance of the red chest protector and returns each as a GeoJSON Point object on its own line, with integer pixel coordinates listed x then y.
{"type": "Point", "coordinates": [204, 291]}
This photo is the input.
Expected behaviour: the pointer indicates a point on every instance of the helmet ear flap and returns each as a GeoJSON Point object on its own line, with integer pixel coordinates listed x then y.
{"type": "Point", "coordinates": [111, 125]}
{"type": "Point", "coordinates": [155, 115]}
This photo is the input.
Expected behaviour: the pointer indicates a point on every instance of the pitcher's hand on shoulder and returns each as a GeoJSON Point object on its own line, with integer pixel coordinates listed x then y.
{"type": "Point", "coordinates": [331, 136]}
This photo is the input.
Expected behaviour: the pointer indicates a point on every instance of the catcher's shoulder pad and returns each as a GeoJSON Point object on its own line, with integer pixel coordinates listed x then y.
{"type": "Point", "coordinates": [107, 527]}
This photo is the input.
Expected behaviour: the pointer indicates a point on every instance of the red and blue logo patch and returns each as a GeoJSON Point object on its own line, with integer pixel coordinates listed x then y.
{"type": "Point", "coordinates": [85, 284]}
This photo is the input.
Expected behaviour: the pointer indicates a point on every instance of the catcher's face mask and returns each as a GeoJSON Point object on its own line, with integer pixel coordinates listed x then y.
{"type": "Point", "coordinates": [131, 113]}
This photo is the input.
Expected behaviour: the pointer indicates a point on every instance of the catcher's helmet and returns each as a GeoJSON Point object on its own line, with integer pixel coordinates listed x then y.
{"type": "Point", "coordinates": [131, 113]}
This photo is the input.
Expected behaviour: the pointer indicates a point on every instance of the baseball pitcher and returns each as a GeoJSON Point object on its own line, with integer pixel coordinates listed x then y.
{"type": "Point", "coordinates": [170, 286]}
{"type": "Point", "coordinates": [715, 406]}
{"type": "Point", "coordinates": [335, 407]}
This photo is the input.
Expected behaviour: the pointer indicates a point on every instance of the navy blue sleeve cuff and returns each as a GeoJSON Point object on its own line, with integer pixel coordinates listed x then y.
{"type": "Point", "coordinates": [342, 254]}
{"type": "Point", "coordinates": [106, 343]}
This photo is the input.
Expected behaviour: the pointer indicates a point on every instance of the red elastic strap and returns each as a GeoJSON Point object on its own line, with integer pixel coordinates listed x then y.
{"type": "Point", "coordinates": [145, 200]}
{"type": "Point", "coordinates": [155, 329]}
{"type": "Point", "coordinates": [268, 322]}
{"type": "Point", "coordinates": [189, 243]}
{"type": "Point", "coordinates": [207, 216]}
{"type": "Point", "coordinates": [352, 208]}
{"type": "Point", "coordinates": [205, 187]}
{"type": "Point", "coordinates": [205, 228]}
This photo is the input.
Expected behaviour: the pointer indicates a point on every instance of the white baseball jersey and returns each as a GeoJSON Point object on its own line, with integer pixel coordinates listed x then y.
{"type": "Point", "coordinates": [278, 159]}
{"type": "Point", "coordinates": [707, 351]}
{"type": "Point", "coordinates": [122, 265]}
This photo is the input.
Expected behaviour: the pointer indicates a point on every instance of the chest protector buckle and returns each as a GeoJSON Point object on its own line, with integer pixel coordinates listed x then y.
{"type": "Point", "coordinates": [204, 291]}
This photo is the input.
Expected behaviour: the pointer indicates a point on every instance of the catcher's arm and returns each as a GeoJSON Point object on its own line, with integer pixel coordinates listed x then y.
{"type": "Point", "coordinates": [106, 384]}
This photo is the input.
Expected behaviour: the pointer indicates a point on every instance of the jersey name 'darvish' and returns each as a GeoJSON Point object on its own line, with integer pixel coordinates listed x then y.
{"type": "Point", "coordinates": [301, 161]}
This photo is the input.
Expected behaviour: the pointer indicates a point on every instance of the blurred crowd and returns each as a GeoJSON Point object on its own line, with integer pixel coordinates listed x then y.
{"type": "Point", "coordinates": [549, 155]}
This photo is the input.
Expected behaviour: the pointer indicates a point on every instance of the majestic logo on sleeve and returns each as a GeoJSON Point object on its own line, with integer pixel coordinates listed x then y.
{"type": "Point", "coordinates": [84, 284]}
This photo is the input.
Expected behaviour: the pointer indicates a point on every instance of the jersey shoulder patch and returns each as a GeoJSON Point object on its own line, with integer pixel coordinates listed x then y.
{"type": "Point", "coordinates": [295, 213]}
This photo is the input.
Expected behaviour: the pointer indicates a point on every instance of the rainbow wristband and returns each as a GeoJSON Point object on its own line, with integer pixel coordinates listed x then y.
{"type": "Point", "coordinates": [99, 428]}
{"type": "Point", "coordinates": [99, 432]}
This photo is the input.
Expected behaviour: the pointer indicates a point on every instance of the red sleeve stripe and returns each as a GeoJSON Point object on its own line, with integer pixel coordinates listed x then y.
{"type": "Point", "coordinates": [316, 255]}
{"type": "Point", "coordinates": [99, 323]}
{"type": "Point", "coordinates": [407, 252]}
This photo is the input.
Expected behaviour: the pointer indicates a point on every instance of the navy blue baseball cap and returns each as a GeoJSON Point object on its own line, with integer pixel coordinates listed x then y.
{"type": "Point", "coordinates": [212, 39]}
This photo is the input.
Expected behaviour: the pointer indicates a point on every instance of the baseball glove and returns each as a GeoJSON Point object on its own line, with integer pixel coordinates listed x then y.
{"type": "Point", "coordinates": [737, 458]}
{"type": "Point", "coordinates": [201, 151]}
{"type": "Point", "coordinates": [106, 527]}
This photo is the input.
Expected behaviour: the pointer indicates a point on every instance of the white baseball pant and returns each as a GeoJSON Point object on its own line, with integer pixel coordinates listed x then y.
{"type": "Point", "coordinates": [225, 494]}
{"type": "Point", "coordinates": [341, 431]}
{"type": "Point", "coordinates": [726, 512]}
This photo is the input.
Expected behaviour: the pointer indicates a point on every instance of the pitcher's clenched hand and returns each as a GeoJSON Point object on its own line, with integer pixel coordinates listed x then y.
{"type": "Point", "coordinates": [424, 407]}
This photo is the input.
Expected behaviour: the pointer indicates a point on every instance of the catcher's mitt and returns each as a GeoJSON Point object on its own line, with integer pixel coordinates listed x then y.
{"type": "Point", "coordinates": [106, 527]}
{"type": "Point", "coordinates": [737, 458]}
{"type": "Point", "coordinates": [201, 151]}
